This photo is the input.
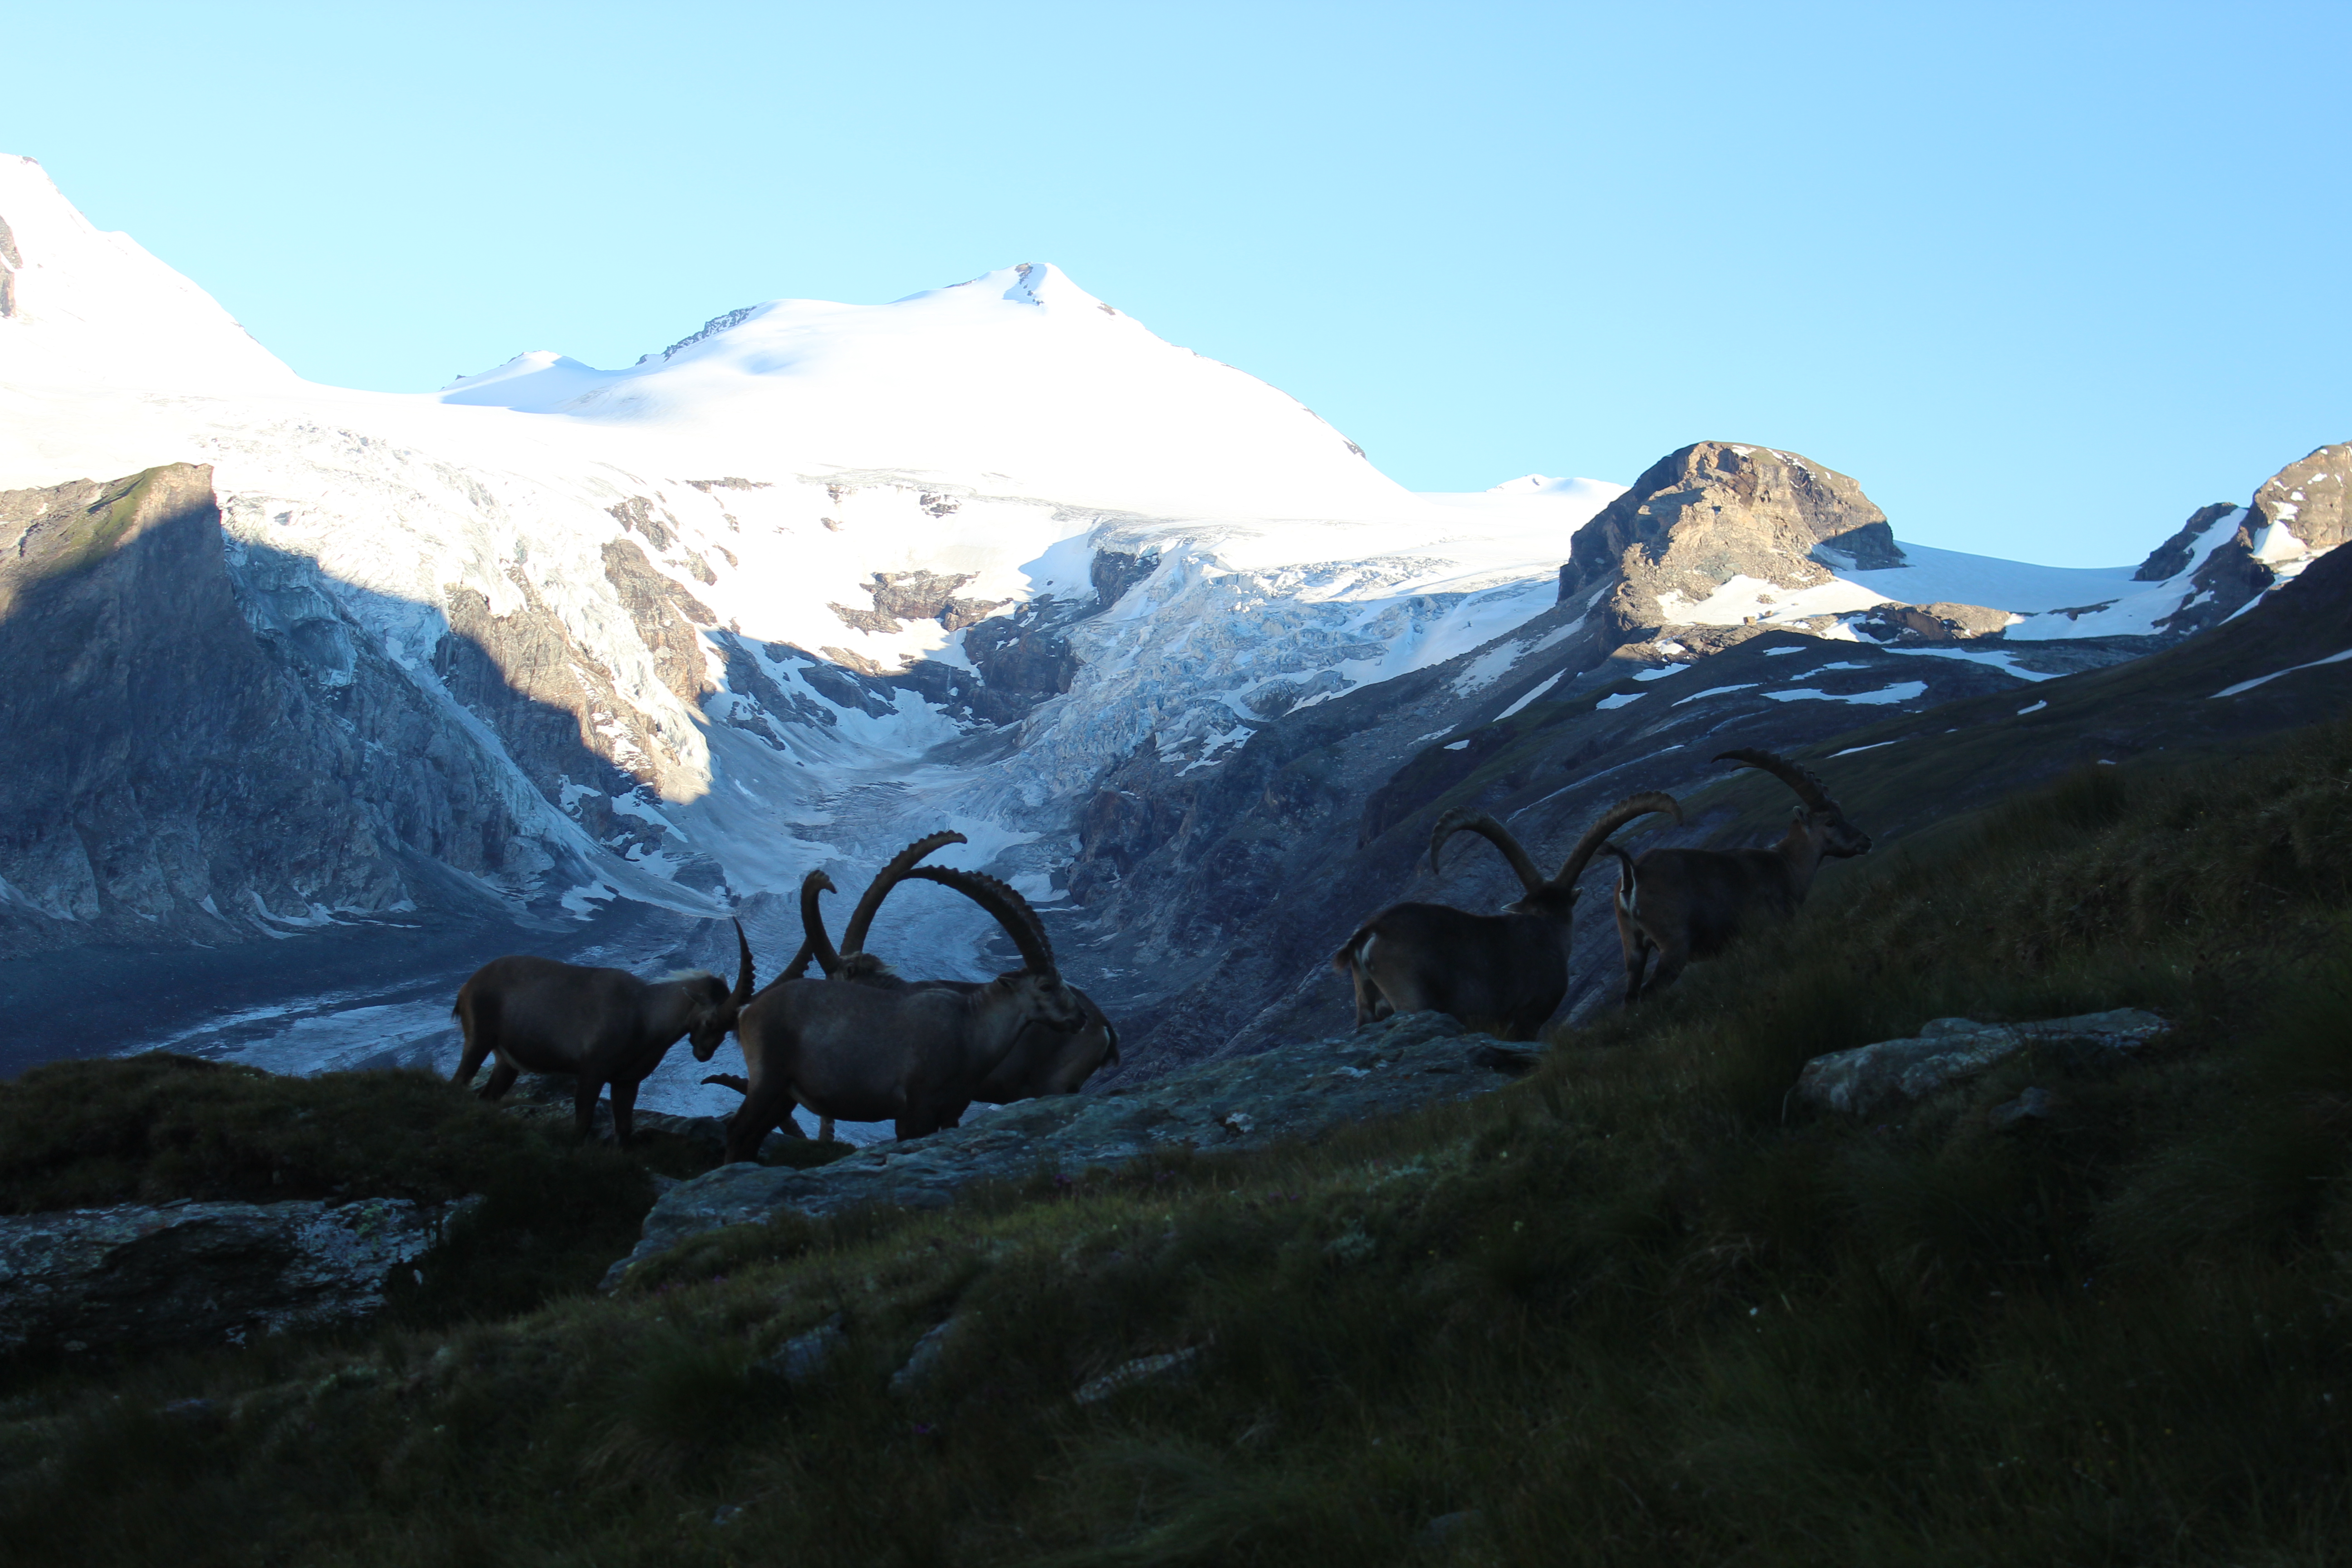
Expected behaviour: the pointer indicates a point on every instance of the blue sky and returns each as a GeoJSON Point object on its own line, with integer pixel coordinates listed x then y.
{"type": "Point", "coordinates": [2042, 278]}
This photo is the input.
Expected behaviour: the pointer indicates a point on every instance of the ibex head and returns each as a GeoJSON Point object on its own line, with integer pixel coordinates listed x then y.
{"type": "Point", "coordinates": [715, 1007]}
{"type": "Point", "coordinates": [1818, 818]}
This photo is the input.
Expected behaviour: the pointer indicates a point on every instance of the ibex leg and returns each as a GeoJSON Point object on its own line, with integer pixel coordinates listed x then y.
{"type": "Point", "coordinates": [502, 1078]}
{"type": "Point", "coordinates": [625, 1108]}
{"type": "Point", "coordinates": [761, 1110]}
{"type": "Point", "coordinates": [1637, 958]}
{"type": "Point", "coordinates": [1671, 960]}
{"type": "Point", "coordinates": [584, 1090]}
{"type": "Point", "coordinates": [479, 1021]}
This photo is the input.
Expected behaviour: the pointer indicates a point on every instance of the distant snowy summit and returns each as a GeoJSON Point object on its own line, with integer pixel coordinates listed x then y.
{"type": "Point", "coordinates": [82, 306]}
{"type": "Point", "coordinates": [1017, 380]}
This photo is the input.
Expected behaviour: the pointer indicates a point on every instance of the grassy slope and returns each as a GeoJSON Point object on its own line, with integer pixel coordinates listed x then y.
{"type": "Point", "coordinates": [1622, 1311]}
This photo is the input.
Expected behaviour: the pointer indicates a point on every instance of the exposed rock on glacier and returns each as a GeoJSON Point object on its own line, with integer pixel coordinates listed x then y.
{"type": "Point", "coordinates": [135, 1276]}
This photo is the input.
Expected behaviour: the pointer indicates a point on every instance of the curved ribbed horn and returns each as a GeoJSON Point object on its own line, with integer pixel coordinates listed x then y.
{"type": "Point", "coordinates": [853, 940]}
{"type": "Point", "coordinates": [814, 943]}
{"type": "Point", "coordinates": [742, 992]}
{"type": "Point", "coordinates": [1809, 788]}
{"type": "Point", "coordinates": [798, 967]}
{"type": "Point", "coordinates": [1611, 820]}
{"type": "Point", "coordinates": [1011, 910]}
{"type": "Point", "coordinates": [1461, 821]}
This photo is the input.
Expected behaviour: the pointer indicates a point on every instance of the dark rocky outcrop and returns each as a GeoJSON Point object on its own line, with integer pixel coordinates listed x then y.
{"type": "Point", "coordinates": [2305, 499]}
{"type": "Point", "coordinates": [917, 596]}
{"type": "Point", "coordinates": [2172, 558]}
{"type": "Point", "coordinates": [139, 1277]}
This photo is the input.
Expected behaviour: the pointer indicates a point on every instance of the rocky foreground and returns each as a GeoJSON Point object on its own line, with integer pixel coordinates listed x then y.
{"type": "Point", "coordinates": [1290, 1092]}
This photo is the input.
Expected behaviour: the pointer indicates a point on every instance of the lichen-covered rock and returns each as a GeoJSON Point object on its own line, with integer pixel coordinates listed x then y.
{"type": "Point", "coordinates": [1870, 1078]}
{"type": "Point", "coordinates": [1243, 1103]}
{"type": "Point", "coordinates": [187, 1273]}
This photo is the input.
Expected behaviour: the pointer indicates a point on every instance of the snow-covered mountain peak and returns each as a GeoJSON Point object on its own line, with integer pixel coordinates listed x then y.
{"type": "Point", "coordinates": [1017, 382]}
{"type": "Point", "coordinates": [81, 306]}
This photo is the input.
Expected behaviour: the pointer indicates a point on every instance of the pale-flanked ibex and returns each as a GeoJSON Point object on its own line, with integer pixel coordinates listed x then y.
{"type": "Point", "coordinates": [1690, 904]}
{"type": "Point", "coordinates": [603, 1026]}
{"type": "Point", "coordinates": [1505, 973]}
{"type": "Point", "coordinates": [867, 1047]}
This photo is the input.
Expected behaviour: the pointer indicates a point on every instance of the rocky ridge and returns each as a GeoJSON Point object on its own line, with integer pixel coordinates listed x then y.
{"type": "Point", "coordinates": [1289, 1092]}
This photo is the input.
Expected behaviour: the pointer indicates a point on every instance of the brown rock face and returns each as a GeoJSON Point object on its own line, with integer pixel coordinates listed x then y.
{"type": "Point", "coordinates": [1713, 511]}
{"type": "Point", "coordinates": [2308, 498]}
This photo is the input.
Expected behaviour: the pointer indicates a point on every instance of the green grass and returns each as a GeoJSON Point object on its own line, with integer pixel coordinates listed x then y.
{"type": "Point", "coordinates": [1636, 1308]}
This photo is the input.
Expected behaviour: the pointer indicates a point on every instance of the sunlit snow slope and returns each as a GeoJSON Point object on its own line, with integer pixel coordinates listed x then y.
{"type": "Point", "coordinates": [783, 477]}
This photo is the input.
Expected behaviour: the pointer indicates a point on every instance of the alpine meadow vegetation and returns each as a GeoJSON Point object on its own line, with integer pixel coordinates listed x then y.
{"type": "Point", "coordinates": [1637, 1307]}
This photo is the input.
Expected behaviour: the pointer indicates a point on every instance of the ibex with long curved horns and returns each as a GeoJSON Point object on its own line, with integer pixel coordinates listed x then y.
{"type": "Point", "coordinates": [603, 1026]}
{"type": "Point", "coordinates": [1506, 972]}
{"type": "Point", "coordinates": [1043, 1060]}
{"type": "Point", "coordinates": [867, 1047]}
{"type": "Point", "coordinates": [1683, 904]}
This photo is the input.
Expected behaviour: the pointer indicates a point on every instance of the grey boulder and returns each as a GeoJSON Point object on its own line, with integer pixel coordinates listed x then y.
{"type": "Point", "coordinates": [1871, 1079]}
{"type": "Point", "coordinates": [187, 1273]}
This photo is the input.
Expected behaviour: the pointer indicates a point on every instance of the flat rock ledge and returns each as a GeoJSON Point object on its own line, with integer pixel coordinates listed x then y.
{"type": "Point", "coordinates": [1244, 1102]}
{"type": "Point", "coordinates": [1871, 1079]}
{"type": "Point", "coordinates": [189, 1273]}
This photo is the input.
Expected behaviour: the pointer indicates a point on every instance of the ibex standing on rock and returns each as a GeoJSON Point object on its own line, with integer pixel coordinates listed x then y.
{"type": "Point", "coordinates": [603, 1026]}
{"type": "Point", "coordinates": [1689, 904]}
{"type": "Point", "coordinates": [869, 1047]}
{"type": "Point", "coordinates": [1506, 972]}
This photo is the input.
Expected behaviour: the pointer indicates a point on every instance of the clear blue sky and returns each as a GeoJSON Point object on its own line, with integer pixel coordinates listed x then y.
{"type": "Point", "coordinates": [2043, 278]}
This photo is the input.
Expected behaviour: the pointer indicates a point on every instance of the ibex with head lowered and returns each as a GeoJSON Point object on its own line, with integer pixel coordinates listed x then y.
{"type": "Point", "coordinates": [1683, 904]}
{"type": "Point", "coordinates": [1506, 972]}
{"type": "Point", "coordinates": [603, 1026]}
{"type": "Point", "coordinates": [1044, 1060]}
{"type": "Point", "coordinates": [1044, 1057]}
{"type": "Point", "coordinates": [867, 1047]}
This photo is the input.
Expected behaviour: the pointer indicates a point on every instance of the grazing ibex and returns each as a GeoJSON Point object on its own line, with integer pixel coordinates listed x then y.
{"type": "Point", "coordinates": [867, 1047]}
{"type": "Point", "coordinates": [1689, 904]}
{"type": "Point", "coordinates": [1044, 1060]}
{"type": "Point", "coordinates": [604, 1026]}
{"type": "Point", "coordinates": [1506, 972]}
